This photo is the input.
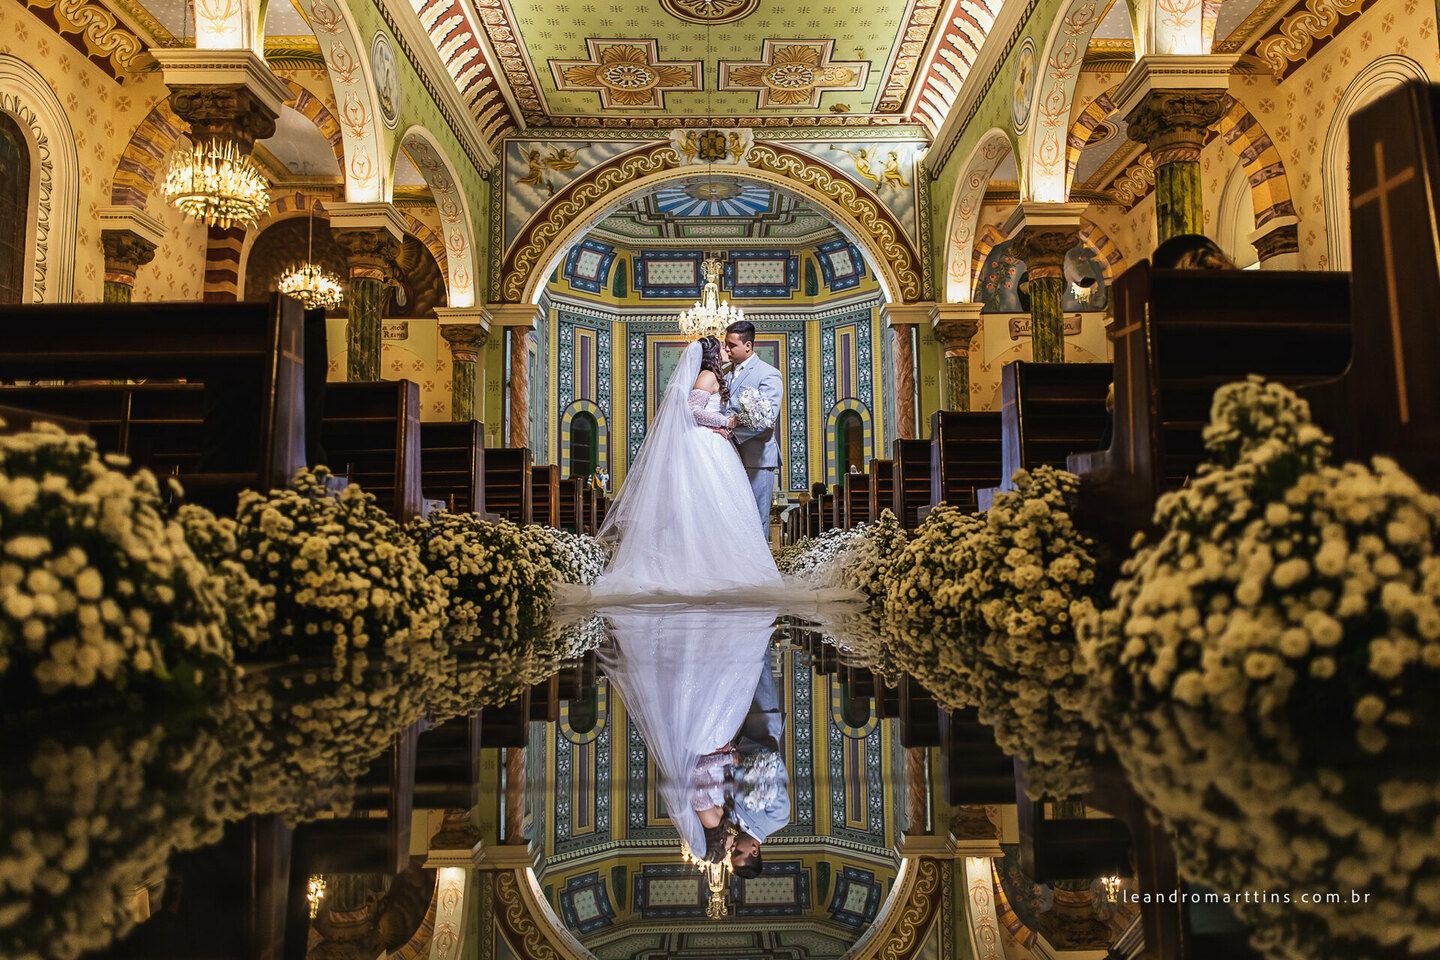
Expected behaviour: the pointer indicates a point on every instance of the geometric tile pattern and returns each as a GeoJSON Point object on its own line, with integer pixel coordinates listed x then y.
{"type": "Point", "coordinates": [755, 274]}
{"type": "Point", "coordinates": [840, 264]}
{"type": "Point", "coordinates": [668, 273]}
{"type": "Point", "coordinates": [584, 904]}
{"type": "Point", "coordinates": [783, 890]}
{"type": "Point", "coordinates": [587, 265]}
{"type": "Point", "coordinates": [857, 897]}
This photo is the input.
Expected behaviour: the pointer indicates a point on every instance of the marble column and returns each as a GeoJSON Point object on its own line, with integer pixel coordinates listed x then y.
{"type": "Point", "coordinates": [125, 253]}
{"type": "Point", "coordinates": [1042, 234]}
{"type": "Point", "coordinates": [370, 235]}
{"type": "Point", "coordinates": [902, 319]}
{"type": "Point", "coordinates": [514, 795]}
{"type": "Point", "coordinates": [955, 327]}
{"type": "Point", "coordinates": [467, 357]}
{"type": "Point", "coordinates": [1169, 102]}
{"type": "Point", "coordinates": [519, 386]}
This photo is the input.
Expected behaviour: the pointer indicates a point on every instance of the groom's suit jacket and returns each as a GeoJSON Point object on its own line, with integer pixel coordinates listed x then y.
{"type": "Point", "coordinates": [764, 728]}
{"type": "Point", "coordinates": [759, 449]}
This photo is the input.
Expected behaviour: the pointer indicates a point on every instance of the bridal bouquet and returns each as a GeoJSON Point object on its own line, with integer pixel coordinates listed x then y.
{"type": "Point", "coordinates": [757, 780]}
{"type": "Point", "coordinates": [753, 410]}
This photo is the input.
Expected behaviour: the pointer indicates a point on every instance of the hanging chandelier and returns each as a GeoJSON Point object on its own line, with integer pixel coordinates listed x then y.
{"type": "Point", "coordinates": [716, 875]}
{"type": "Point", "coordinates": [710, 315]}
{"type": "Point", "coordinates": [215, 182]}
{"type": "Point", "coordinates": [309, 282]}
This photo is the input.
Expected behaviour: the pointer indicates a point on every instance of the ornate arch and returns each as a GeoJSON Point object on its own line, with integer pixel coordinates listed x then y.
{"type": "Point", "coordinates": [439, 173]}
{"type": "Point", "coordinates": [286, 206]}
{"type": "Point", "coordinates": [1094, 114]}
{"type": "Point", "coordinates": [985, 241]}
{"type": "Point", "coordinates": [1265, 171]}
{"type": "Point", "coordinates": [965, 211]}
{"type": "Point", "coordinates": [567, 216]}
{"type": "Point", "coordinates": [837, 715]}
{"type": "Point", "coordinates": [602, 438]}
{"type": "Point", "coordinates": [313, 109]}
{"type": "Point", "coordinates": [432, 240]}
{"type": "Point", "coordinates": [1043, 147]}
{"type": "Point", "coordinates": [602, 713]}
{"type": "Point", "coordinates": [915, 904]}
{"type": "Point", "coordinates": [832, 438]}
{"type": "Point", "coordinates": [1105, 249]}
{"type": "Point", "coordinates": [54, 204]}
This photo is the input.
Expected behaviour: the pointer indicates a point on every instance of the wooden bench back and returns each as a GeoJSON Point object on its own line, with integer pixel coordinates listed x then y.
{"type": "Point", "coordinates": [452, 464]}
{"type": "Point", "coordinates": [964, 456]}
{"type": "Point", "coordinates": [857, 500]}
{"type": "Point", "coordinates": [509, 482]}
{"type": "Point", "coordinates": [545, 495]}
{"type": "Point", "coordinates": [882, 487]}
{"type": "Point", "coordinates": [371, 432]}
{"type": "Point", "coordinates": [911, 485]}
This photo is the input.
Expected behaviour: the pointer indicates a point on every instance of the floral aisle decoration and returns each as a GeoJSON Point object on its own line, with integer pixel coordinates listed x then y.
{"type": "Point", "coordinates": [1282, 640]}
{"type": "Point", "coordinates": [814, 555]}
{"type": "Point", "coordinates": [499, 576]}
{"type": "Point", "coordinates": [577, 558]}
{"type": "Point", "coordinates": [113, 650]}
{"type": "Point", "coordinates": [1001, 592]}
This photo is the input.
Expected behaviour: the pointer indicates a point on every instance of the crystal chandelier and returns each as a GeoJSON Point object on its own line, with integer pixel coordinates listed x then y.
{"type": "Point", "coordinates": [716, 873]}
{"type": "Point", "coordinates": [309, 282]}
{"type": "Point", "coordinates": [710, 316]}
{"type": "Point", "coordinates": [214, 182]}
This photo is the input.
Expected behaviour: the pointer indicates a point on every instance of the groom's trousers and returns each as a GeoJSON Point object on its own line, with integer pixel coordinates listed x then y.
{"type": "Point", "coordinates": [762, 484]}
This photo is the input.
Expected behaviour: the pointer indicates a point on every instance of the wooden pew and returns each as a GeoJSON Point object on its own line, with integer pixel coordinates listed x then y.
{"type": "Point", "coordinates": [1047, 412]}
{"type": "Point", "coordinates": [1180, 334]}
{"type": "Point", "coordinates": [837, 504]}
{"type": "Point", "coordinates": [250, 356]}
{"type": "Point", "coordinates": [964, 457]}
{"type": "Point", "coordinates": [1388, 400]}
{"type": "Point", "coordinates": [371, 433]}
{"type": "Point", "coordinates": [15, 420]}
{"type": "Point", "coordinates": [592, 508]}
{"type": "Point", "coordinates": [545, 495]}
{"type": "Point", "coordinates": [447, 765]}
{"type": "Point", "coordinates": [919, 715]}
{"type": "Point", "coordinates": [882, 487]}
{"type": "Point", "coordinates": [973, 768]}
{"type": "Point", "coordinates": [602, 507]}
{"type": "Point", "coordinates": [508, 483]}
{"type": "Point", "coordinates": [572, 499]}
{"type": "Point", "coordinates": [452, 464]}
{"type": "Point", "coordinates": [910, 490]}
{"type": "Point", "coordinates": [857, 500]}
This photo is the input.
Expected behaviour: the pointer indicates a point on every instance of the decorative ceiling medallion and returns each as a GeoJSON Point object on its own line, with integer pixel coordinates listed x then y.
{"type": "Point", "coordinates": [712, 146]}
{"type": "Point", "coordinates": [1023, 86]}
{"type": "Point", "coordinates": [725, 197]}
{"type": "Point", "coordinates": [793, 73]}
{"type": "Point", "coordinates": [627, 73]}
{"type": "Point", "coordinates": [710, 11]}
{"type": "Point", "coordinates": [387, 78]}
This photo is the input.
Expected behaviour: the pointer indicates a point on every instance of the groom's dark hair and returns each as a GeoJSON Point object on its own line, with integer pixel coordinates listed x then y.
{"type": "Point", "coordinates": [744, 329]}
{"type": "Point", "coordinates": [747, 868]}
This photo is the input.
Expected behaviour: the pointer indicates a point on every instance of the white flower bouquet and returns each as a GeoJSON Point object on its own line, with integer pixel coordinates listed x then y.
{"type": "Point", "coordinates": [757, 780]}
{"type": "Point", "coordinates": [499, 576]}
{"type": "Point", "coordinates": [753, 410]}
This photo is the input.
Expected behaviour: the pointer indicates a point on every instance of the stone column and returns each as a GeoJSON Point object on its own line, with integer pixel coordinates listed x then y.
{"type": "Point", "coordinates": [370, 234]}
{"type": "Point", "coordinates": [955, 326]}
{"type": "Point", "coordinates": [519, 319]}
{"type": "Point", "coordinates": [1168, 102]}
{"type": "Point", "coordinates": [125, 253]}
{"type": "Point", "coordinates": [467, 332]}
{"type": "Point", "coordinates": [514, 796]}
{"type": "Point", "coordinates": [1042, 234]}
{"type": "Point", "coordinates": [902, 319]}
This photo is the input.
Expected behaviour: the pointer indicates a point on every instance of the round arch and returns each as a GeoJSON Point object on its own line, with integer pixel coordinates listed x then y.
{"type": "Point", "coordinates": [570, 214]}
{"type": "Point", "coordinates": [1043, 146]}
{"type": "Point", "coordinates": [1383, 74]}
{"type": "Point", "coordinates": [602, 435]}
{"type": "Point", "coordinates": [993, 147]}
{"type": "Point", "coordinates": [440, 175]}
{"type": "Point", "coordinates": [833, 468]}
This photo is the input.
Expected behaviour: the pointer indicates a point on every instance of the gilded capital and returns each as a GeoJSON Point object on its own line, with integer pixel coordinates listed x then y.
{"type": "Point", "coordinates": [1043, 249]}
{"type": "Point", "coordinates": [369, 251]}
{"type": "Point", "coordinates": [125, 252]}
{"type": "Point", "coordinates": [955, 335]}
{"type": "Point", "coordinates": [465, 340]}
{"type": "Point", "coordinates": [1172, 123]}
{"type": "Point", "coordinates": [223, 112]}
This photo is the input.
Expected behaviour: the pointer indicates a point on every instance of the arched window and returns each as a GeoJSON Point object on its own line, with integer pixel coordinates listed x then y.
{"type": "Point", "coordinates": [850, 432]}
{"type": "Point", "coordinates": [584, 432]}
{"type": "Point", "coordinates": [14, 209]}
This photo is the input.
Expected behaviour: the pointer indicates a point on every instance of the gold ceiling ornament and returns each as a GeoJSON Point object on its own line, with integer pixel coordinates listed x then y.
{"type": "Point", "coordinates": [710, 11]}
{"type": "Point", "coordinates": [717, 875]}
{"type": "Point", "coordinates": [710, 316]}
{"type": "Point", "coordinates": [793, 73]}
{"type": "Point", "coordinates": [627, 73]}
{"type": "Point", "coordinates": [213, 181]}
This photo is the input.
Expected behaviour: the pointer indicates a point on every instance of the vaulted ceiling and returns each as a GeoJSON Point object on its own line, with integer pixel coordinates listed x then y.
{"type": "Point", "coordinates": [725, 210]}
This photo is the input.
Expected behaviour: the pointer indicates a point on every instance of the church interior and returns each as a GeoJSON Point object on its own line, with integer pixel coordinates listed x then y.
{"type": "Point", "coordinates": [1104, 334]}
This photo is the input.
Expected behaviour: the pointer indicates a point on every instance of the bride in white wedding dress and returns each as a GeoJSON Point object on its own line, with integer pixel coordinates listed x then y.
{"type": "Point", "coordinates": [683, 524]}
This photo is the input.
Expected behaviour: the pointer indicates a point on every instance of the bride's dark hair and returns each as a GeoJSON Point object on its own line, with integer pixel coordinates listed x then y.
{"type": "Point", "coordinates": [710, 360]}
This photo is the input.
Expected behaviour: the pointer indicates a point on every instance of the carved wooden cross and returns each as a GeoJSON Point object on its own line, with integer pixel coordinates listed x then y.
{"type": "Point", "coordinates": [1381, 193]}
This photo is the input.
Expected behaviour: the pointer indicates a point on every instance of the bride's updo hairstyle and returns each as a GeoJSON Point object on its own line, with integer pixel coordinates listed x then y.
{"type": "Point", "coordinates": [710, 360]}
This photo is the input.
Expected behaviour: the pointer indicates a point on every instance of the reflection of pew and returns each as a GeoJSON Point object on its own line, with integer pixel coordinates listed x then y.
{"type": "Point", "coordinates": [1053, 848]}
{"type": "Point", "coordinates": [507, 724]}
{"type": "Point", "coordinates": [15, 420]}
{"type": "Point", "coordinates": [882, 486]}
{"type": "Point", "coordinates": [371, 432]}
{"type": "Point", "coordinates": [857, 500]}
{"type": "Point", "coordinates": [1180, 334]}
{"type": "Point", "coordinates": [452, 464]}
{"type": "Point", "coordinates": [508, 482]}
{"type": "Point", "coordinates": [545, 700]}
{"type": "Point", "coordinates": [973, 768]}
{"type": "Point", "coordinates": [250, 356]}
{"type": "Point", "coordinates": [545, 495]}
{"type": "Point", "coordinates": [1047, 412]}
{"type": "Point", "coordinates": [964, 457]}
{"type": "Point", "coordinates": [447, 765]}
{"type": "Point", "coordinates": [910, 490]}
{"type": "Point", "coordinates": [1388, 401]}
{"type": "Point", "coordinates": [919, 715]}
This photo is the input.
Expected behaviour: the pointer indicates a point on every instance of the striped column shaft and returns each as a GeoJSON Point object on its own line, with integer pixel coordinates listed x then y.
{"type": "Point", "coordinates": [222, 264]}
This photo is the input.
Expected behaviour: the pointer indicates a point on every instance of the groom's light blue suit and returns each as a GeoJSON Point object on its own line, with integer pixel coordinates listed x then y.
{"type": "Point", "coordinates": [759, 449]}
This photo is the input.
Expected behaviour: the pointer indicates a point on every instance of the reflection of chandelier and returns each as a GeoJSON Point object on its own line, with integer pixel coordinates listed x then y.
{"type": "Point", "coordinates": [214, 182]}
{"type": "Point", "coordinates": [309, 282]}
{"type": "Point", "coordinates": [1112, 888]}
{"type": "Point", "coordinates": [709, 317]}
{"type": "Point", "coordinates": [314, 893]}
{"type": "Point", "coordinates": [716, 873]}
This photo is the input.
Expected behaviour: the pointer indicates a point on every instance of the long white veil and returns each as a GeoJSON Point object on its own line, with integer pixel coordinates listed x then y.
{"type": "Point", "coordinates": [686, 677]}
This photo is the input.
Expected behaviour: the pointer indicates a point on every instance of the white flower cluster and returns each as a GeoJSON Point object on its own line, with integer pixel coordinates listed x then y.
{"type": "Point", "coordinates": [499, 576]}
{"type": "Point", "coordinates": [865, 563]}
{"type": "Point", "coordinates": [1266, 674]}
{"type": "Point", "coordinates": [757, 779]}
{"type": "Point", "coordinates": [97, 589]}
{"type": "Point", "coordinates": [754, 410]}
{"type": "Point", "coordinates": [815, 556]}
{"type": "Point", "coordinates": [577, 558]}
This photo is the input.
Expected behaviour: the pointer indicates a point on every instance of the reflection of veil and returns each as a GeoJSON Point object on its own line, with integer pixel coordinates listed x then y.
{"type": "Point", "coordinates": [686, 677]}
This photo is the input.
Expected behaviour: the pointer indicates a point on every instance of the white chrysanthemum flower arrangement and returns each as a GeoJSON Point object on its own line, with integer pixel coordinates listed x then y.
{"type": "Point", "coordinates": [816, 555]}
{"type": "Point", "coordinates": [577, 558]}
{"type": "Point", "coordinates": [113, 651]}
{"type": "Point", "coordinates": [498, 575]}
{"type": "Point", "coordinates": [986, 604]}
{"type": "Point", "coordinates": [1267, 671]}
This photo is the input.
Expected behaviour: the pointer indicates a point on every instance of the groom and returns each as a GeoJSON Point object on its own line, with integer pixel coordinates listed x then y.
{"type": "Point", "coordinates": [759, 449]}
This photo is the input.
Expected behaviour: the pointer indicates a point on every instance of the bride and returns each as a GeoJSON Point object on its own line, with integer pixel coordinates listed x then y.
{"type": "Point", "coordinates": [683, 524]}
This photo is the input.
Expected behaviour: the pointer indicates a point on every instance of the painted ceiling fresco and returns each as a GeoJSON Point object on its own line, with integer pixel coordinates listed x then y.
{"type": "Point", "coordinates": [720, 209]}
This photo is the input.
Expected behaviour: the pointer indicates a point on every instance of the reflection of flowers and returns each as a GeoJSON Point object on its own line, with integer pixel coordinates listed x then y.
{"type": "Point", "coordinates": [757, 780]}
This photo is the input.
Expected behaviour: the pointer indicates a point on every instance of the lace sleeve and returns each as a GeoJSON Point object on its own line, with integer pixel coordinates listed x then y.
{"type": "Point", "coordinates": [698, 400]}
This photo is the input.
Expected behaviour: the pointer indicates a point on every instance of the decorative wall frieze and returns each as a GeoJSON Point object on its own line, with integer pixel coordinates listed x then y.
{"type": "Point", "coordinates": [1302, 32]}
{"type": "Point", "coordinates": [95, 32]}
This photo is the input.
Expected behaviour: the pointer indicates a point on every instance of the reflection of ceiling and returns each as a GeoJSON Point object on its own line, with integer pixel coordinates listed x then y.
{"type": "Point", "coordinates": [718, 208]}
